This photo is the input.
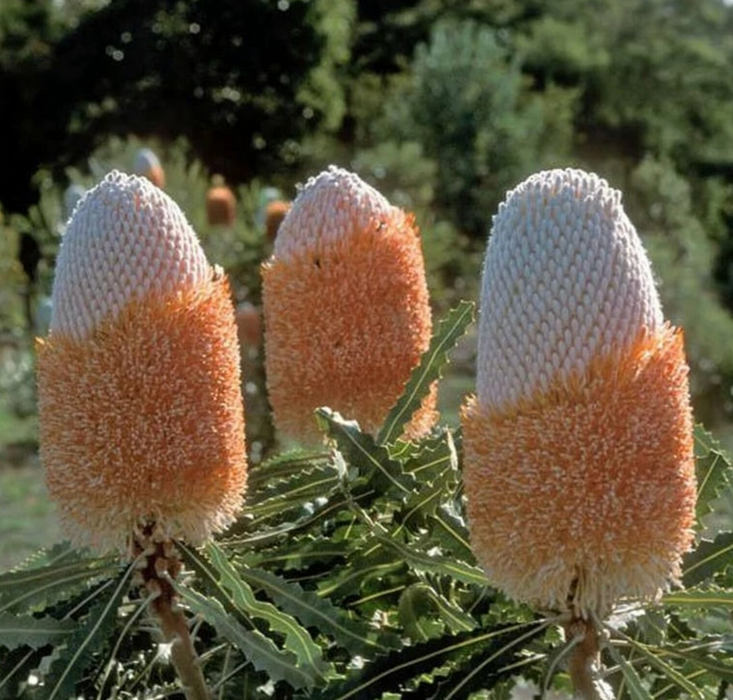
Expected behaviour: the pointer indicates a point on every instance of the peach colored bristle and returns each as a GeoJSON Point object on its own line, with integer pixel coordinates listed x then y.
{"type": "Point", "coordinates": [346, 307]}
{"type": "Point", "coordinates": [579, 468]}
{"type": "Point", "coordinates": [140, 407]}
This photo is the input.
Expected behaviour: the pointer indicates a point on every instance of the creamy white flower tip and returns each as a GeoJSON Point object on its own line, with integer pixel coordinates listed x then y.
{"type": "Point", "coordinates": [145, 161]}
{"type": "Point", "coordinates": [127, 239]}
{"type": "Point", "coordinates": [566, 278]}
{"type": "Point", "coordinates": [329, 207]}
{"type": "Point", "coordinates": [72, 197]}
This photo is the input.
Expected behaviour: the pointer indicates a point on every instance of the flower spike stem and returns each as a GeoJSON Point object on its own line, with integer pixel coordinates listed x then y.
{"type": "Point", "coordinates": [161, 567]}
{"type": "Point", "coordinates": [584, 661]}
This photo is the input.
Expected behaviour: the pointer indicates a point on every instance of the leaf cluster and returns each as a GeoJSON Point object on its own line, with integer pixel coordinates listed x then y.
{"type": "Point", "coordinates": [350, 576]}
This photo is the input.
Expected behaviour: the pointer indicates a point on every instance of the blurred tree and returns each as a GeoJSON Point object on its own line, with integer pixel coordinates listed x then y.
{"type": "Point", "coordinates": [464, 103]}
{"type": "Point", "coordinates": [229, 75]}
{"type": "Point", "coordinates": [27, 35]}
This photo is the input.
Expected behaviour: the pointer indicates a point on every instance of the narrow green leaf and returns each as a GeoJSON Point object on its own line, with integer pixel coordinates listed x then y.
{"type": "Point", "coordinates": [713, 471]}
{"type": "Point", "coordinates": [420, 601]}
{"type": "Point", "coordinates": [354, 635]}
{"type": "Point", "coordinates": [62, 551]}
{"type": "Point", "coordinates": [699, 598]}
{"type": "Point", "coordinates": [297, 638]}
{"type": "Point", "coordinates": [282, 467]}
{"type": "Point", "coordinates": [30, 589]}
{"type": "Point", "coordinates": [708, 559]}
{"type": "Point", "coordinates": [430, 369]}
{"type": "Point", "coordinates": [362, 452]}
{"type": "Point", "coordinates": [34, 632]}
{"type": "Point", "coordinates": [445, 566]}
{"type": "Point", "coordinates": [77, 655]}
{"type": "Point", "coordinates": [654, 657]}
{"type": "Point", "coordinates": [259, 650]}
{"type": "Point", "coordinates": [450, 532]}
{"type": "Point", "coordinates": [399, 669]}
{"type": "Point", "coordinates": [298, 553]}
{"type": "Point", "coordinates": [637, 691]}
{"type": "Point", "coordinates": [372, 561]}
{"type": "Point", "coordinates": [703, 660]}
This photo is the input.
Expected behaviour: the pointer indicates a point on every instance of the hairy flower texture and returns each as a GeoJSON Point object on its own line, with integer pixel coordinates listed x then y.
{"type": "Point", "coordinates": [346, 307]}
{"type": "Point", "coordinates": [141, 418]}
{"type": "Point", "coordinates": [579, 469]}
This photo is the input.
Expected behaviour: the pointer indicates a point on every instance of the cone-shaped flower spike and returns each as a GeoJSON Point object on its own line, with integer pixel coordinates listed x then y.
{"type": "Point", "coordinates": [346, 307]}
{"type": "Point", "coordinates": [141, 418]}
{"type": "Point", "coordinates": [579, 468]}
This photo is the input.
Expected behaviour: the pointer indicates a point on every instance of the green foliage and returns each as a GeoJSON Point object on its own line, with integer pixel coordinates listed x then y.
{"type": "Point", "coordinates": [660, 202]}
{"type": "Point", "coordinates": [452, 327]}
{"type": "Point", "coordinates": [464, 105]}
{"type": "Point", "coordinates": [350, 575]}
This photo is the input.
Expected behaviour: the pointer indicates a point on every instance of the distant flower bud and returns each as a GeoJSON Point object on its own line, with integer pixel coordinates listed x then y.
{"type": "Point", "coordinates": [274, 214]}
{"type": "Point", "coordinates": [249, 325]}
{"type": "Point", "coordinates": [140, 407]}
{"type": "Point", "coordinates": [346, 307]}
{"type": "Point", "coordinates": [579, 469]}
{"type": "Point", "coordinates": [148, 165]}
{"type": "Point", "coordinates": [221, 206]}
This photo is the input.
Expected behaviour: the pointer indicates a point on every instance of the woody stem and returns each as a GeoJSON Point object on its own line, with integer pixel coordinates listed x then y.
{"type": "Point", "coordinates": [160, 567]}
{"type": "Point", "coordinates": [584, 658]}
{"type": "Point", "coordinates": [185, 660]}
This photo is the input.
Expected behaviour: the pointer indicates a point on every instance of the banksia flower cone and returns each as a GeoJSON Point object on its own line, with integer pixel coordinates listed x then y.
{"type": "Point", "coordinates": [274, 214]}
{"type": "Point", "coordinates": [346, 307]}
{"type": "Point", "coordinates": [141, 418]}
{"type": "Point", "coordinates": [578, 468]}
{"type": "Point", "coordinates": [148, 165]}
{"type": "Point", "coordinates": [221, 206]}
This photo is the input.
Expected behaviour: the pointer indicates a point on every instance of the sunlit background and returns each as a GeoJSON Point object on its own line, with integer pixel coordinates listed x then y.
{"type": "Point", "coordinates": [441, 105]}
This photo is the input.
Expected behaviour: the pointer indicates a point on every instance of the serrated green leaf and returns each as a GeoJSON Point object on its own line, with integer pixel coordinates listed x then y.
{"type": "Point", "coordinates": [444, 566]}
{"type": "Point", "coordinates": [297, 638]}
{"type": "Point", "coordinates": [383, 473]}
{"type": "Point", "coordinates": [703, 659]}
{"type": "Point", "coordinates": [637, 691]}
{"type": "Point", "coordinates": [397, 670]}
{"type": "Point", "coordinates": [34, 632]}
{"type": "Point", "coordinates": [713, 471]}
{"type": "Point", "coordinates": [699, 598]}
{"type": "Point", "coordinates": [282, 467]}
{"type": "Point", "coordinates": [62, 551]}
{"type": "Point", "coordinates": [298, 553]}
{"type": "Point", "coordinates": [260, 651]}
{"type": "Point", "coordinates": [309, 483]}
{"type": "Point", "coordinates": [430, 369]}
{"type": "Point", "coordinates": [69, 666]}
{"type": "Point", "coordinates": [317, 612]}
{"type": "Point", "coordinates": [450, 532]}
{"type": "Point", "coordinates": [654, 657]}
{"type": "Point", "coordinates": [420, 601]}
{"type": "Point", "coordinates": [708, 559]}
{"type": "Point", "coordinates": [430, 459]}
{"type": "Point", "coordinates": [30, 589]}
{"type": "Point", "coordinates": [373, 561]}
